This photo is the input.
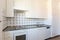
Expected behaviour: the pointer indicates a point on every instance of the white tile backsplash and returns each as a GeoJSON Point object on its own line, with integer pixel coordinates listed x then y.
{"type": "Point", "coordinates": [20, 19]}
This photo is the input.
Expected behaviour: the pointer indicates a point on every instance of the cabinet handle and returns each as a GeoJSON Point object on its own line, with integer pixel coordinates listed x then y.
{"type": "Point", "coordinates": [48, 27]}
{"type": "Point", "coordinates": [0, 21]}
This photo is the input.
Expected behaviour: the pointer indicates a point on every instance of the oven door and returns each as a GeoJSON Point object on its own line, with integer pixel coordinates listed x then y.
{"type": "Point", "coordinates": [20, 36]}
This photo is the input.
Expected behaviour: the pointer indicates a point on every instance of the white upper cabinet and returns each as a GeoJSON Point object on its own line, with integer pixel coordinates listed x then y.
{"type": "Point", "coordinates": [9, 7]}
{"type": "Point", "coordinates": [22, 4]}
{"type": "Point", "coordinates": [32, 8]}
{"type": "Point", "coordinates": [39, 9]}
{"type": "Point", "coordinates": [17, 5]}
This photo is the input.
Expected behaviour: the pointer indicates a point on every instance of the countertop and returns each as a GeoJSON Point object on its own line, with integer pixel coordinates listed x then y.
{"type": "Point", "coordinates": [21, 27]}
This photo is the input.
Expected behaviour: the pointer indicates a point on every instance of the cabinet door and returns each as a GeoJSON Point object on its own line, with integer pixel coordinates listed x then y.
{"type": "Point", "coordinates": [47, 32]}
{"type": "Point", "coordinates": [44, 8]}
{"type": "Point", "coordinates": [38, 9]}
{"type": "Point", "coordinates": [32, 34]}
{"type": "Point", "coordinates": [35, 11]}
{"type": "Point", "coordinates": [22, 4]}
{"type": "Point", "coordinates": [8, 35]}
{"type": "Point", "coordinates": [10, 10]}
{"type": "Point", "coordinates": [36, 34]}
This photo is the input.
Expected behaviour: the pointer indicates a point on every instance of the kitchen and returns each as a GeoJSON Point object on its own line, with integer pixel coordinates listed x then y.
{"type": "Point", "coordinates": [29, 19]}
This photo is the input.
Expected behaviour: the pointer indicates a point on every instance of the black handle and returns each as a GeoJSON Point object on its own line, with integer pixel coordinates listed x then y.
{"type": "Point", "coordinates": [0, 21]}
{"type": "Point", "coordinates": [48, 27]}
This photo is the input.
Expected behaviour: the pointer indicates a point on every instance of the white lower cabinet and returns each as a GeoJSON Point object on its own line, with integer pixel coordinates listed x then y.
{"type": "Point", "coordinates": [37, 34]}
{"type": "Point", "coordinates": [8, 35]}
{"type": "Point", "coordinates": [31, 34]}
{"type": "Point", "coordinates": [48, 33]}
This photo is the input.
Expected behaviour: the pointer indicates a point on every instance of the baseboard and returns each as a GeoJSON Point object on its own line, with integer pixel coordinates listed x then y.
{"type": "Point", "coordinates": [53, 37]}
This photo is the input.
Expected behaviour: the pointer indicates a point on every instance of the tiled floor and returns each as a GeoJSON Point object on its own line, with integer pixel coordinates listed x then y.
{"type": "Point", "coordinates": [57, 38]}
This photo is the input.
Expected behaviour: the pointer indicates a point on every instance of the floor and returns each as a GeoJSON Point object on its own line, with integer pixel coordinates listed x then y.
{"type": "Point", "coordinates": [57, 38]}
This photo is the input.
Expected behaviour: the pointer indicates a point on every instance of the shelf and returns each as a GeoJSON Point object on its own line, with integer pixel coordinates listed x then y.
{"type": "Point", "coordinates": [19, 11]}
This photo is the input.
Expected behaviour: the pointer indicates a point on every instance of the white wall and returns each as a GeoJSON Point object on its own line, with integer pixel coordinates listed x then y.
{"type": "Point", "coordinates": [0, 19]}
{"type": "Point", "coordinates": [49, 20]}
{"type": "Point", "coordinates": [2, 12]}
{"type": "Point", "coordinates": [56, 18]}
{"type": "Point", "coordinates": [20, 19]}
